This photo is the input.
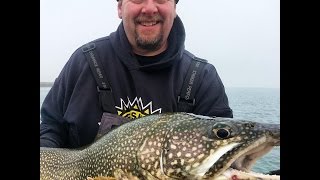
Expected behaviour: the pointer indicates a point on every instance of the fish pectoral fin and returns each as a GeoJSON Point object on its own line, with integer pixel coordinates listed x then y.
{"type": "Point", "coordinates": [101, 178]}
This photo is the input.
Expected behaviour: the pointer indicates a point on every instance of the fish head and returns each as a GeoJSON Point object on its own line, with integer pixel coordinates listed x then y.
{"type": "Point", "coordinates": [200, 147]}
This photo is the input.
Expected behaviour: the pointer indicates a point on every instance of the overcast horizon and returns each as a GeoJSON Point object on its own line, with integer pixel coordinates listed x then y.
{"type": "Point", "coordinates": [240, 38]}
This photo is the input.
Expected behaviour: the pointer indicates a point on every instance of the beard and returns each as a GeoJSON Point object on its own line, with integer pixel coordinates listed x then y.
{"type": "Point", "coordinates": [149, 44]}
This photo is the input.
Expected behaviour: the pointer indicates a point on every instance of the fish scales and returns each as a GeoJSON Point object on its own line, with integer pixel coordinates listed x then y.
{"type": "Point", "coordinates": [164, 146]}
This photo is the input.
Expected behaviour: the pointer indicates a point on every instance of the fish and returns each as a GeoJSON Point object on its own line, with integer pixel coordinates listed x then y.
{"type": "Point", "coordinates": [167, 146]}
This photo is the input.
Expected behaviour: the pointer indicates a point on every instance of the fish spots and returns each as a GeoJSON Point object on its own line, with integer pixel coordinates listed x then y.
{"type": "Point", "coordinates": [191, 160]}
{"type": "Point", "coordinates": [195, 164]}
{"type": "Point", "coordinates": [200, 156]}
{"type": "Point", "coordinates": [172, 143]}
{"type": "Point", "coordinates": [159, 173]}
{"type": "Point", "coordinates": [179, 154]}
{"type": "Point", "coordinates": [175, 162]}
{"type": "Point", "coordinates": [156, 164]}
{"type": "Point", "coordinates": [178, 170]}
{"type": "Point", "coordinates": [182, 162]}
{"type": "Point", "coordinates": [188, 168]}
{"type": "Point", "coordinates": [187, 155]}
{"type": "Point", "coordinates": [212, 151]}
{"type": "Point", "coordinates": [172, 146]}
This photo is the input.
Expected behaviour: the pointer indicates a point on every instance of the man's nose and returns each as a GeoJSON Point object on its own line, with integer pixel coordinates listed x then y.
{"type": "Point", "coordinates": [150, 7]}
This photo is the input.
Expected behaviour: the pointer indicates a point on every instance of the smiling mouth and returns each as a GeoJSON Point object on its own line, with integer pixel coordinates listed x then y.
{"type": "Point", "coordinates": [148, 23]}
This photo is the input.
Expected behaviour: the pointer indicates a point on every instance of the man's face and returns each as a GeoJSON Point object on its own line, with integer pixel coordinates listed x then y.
{"type": "Point", "coordinates": [147, 23]}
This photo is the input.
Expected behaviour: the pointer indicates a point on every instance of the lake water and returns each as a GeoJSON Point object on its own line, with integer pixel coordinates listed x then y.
{"type": "Point", "coordinates": [256, 104]}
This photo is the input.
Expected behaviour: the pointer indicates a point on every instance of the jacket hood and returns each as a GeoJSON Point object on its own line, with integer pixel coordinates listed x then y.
{"type": "Point", "coordinates": [123, 49]}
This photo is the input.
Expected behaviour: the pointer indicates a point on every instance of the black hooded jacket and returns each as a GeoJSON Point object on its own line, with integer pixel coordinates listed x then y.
{"type": "Point", "coordinates": [71, 111]}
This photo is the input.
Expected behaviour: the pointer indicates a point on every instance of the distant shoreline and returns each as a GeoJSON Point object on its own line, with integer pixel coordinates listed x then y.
{"type": "Point", "coordinates": [46, 84]}
{"type": "Point", "coordinates": [49, 84]}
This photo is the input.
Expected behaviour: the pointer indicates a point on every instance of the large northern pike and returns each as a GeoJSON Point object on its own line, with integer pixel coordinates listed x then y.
{"type": "Point", "coordinates": [167, 146]}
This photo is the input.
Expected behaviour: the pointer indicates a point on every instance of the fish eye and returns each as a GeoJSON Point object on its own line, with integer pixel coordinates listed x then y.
{"type": "Point", "coordinates": [222, 133]}
{"type": "Point", "coordinates": [222, 130]}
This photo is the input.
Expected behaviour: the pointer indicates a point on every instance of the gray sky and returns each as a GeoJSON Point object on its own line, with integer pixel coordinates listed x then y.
{"type": "Point", "coordinates": [241, 38]}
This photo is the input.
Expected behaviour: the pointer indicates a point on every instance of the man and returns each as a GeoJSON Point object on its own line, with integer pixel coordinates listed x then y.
{"type": "Point", "coordinates": [145, 64]}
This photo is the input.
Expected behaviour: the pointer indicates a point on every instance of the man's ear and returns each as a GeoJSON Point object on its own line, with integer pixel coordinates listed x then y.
{"type": "Point", "coordinates": [120, 9]}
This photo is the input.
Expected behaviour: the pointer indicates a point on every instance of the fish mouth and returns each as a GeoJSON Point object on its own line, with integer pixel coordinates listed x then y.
{"type": "Point", "coordinates": [240, 165]}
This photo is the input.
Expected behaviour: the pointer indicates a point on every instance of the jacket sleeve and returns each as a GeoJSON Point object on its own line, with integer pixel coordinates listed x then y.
{"type": "Point", "coordinates": [211, 98]}
{"type": "Point", "coordinates": [54, 130]}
